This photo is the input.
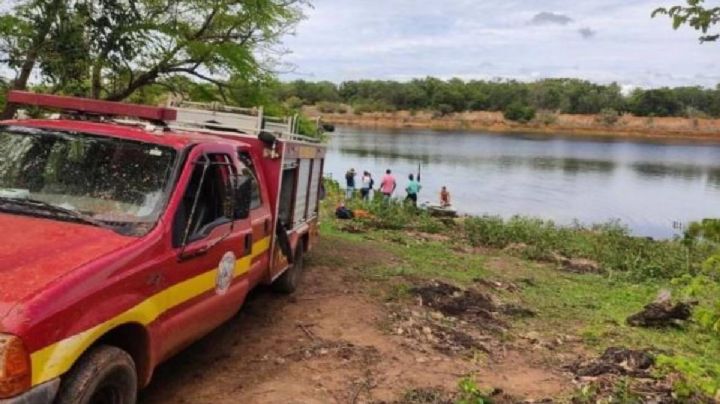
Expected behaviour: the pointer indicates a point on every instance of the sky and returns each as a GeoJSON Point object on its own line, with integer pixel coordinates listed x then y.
{"type": "Point", "coordinates": [599, 40]}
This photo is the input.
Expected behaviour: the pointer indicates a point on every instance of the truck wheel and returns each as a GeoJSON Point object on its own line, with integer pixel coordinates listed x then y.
{"type": "Point", "coordinates": [288, 281]}
{"type": "Point", "coordinates": [105, 375]}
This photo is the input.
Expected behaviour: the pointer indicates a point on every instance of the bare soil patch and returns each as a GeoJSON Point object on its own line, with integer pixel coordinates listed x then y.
{"type": "Point", "coordinates": [330, 343]}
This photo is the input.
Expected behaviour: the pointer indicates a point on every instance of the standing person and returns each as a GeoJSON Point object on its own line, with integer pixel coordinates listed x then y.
{"type": "Point", "coordinates": [388, 185]}
{"type": "Point", "coordinates": [350, 183]}
{"type": "Point", "coordinates": [367, 186]}
{"type": "Point", "coordinates": [444, 197]}
{"type": "Point", "coordinates": [412, 189]}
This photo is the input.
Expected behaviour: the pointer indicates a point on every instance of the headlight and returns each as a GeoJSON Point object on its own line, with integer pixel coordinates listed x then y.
{"type": "Point", "coordinates": [15, 371]}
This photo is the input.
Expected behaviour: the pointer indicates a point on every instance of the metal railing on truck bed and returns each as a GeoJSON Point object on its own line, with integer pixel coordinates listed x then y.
{"type": "Point", "coordinates": [250, 121]}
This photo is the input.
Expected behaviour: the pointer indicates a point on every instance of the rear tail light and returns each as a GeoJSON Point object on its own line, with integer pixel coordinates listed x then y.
{"type": "Point", "coordinates": [15, 370]}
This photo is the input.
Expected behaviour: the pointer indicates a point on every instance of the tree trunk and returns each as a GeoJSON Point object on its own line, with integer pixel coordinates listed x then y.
{"type": "Point", "coordinates": [31, 58]}
{"type": "Point", "coordinates": [96, 79]}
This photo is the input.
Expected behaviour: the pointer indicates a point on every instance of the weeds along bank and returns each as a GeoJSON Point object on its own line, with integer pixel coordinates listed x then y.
{"type": "Point", "coordinates": [597, 277]}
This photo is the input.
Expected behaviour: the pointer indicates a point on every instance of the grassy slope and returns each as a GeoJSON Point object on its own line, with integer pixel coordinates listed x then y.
{"type": "Point", "coordinates": [593, 307]}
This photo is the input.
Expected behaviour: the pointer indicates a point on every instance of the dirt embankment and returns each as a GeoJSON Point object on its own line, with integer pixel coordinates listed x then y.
{"type": "Point", "coordinates": [583, 125]}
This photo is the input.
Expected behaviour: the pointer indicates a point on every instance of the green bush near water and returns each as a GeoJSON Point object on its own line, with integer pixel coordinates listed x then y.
{"type": "Point", "coordinates": [519, 113]}
{"type": "Point", "coordinates": [610, 245]}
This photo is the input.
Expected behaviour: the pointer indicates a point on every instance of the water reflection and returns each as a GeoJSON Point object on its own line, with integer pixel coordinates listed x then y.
{"type": "Point", "coordinates": [648, 186]}
{"type": "Point", "coordinates": [676, 171]}
{"type": "Point", "coordinates": [713, 178]}
{"type": "Point", "coordinates": [572, 165]}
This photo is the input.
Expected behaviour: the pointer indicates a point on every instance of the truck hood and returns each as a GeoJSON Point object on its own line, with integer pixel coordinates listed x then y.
{"type": "Point", "coordinates": [34, 252]}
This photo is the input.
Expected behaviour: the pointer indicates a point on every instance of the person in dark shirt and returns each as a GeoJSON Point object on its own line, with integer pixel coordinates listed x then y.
{"type": "Point", "coordinates": [350, 183]}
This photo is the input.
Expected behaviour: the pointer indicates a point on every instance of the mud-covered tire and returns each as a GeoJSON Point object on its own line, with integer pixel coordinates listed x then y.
{"type": "Point", "coordinates": [105, 374]}
{"type": "Point", "coordinates": [288, 281]}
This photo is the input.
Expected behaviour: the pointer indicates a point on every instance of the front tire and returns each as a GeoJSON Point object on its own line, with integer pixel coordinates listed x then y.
{"type": "Point", "coordinates": [288, 282]}
{"type": "Point", "coordinates": [104, 375]}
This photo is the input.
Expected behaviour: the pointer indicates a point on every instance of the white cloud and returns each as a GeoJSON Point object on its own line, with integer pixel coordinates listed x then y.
{"type": "Point", "coordinates": [402, 39]}
{"type": "Point", "coordinates": [545, 17]}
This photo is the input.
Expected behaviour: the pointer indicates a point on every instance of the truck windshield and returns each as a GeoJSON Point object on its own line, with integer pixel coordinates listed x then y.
{"type": "Point", "coordinates": [79, 177]}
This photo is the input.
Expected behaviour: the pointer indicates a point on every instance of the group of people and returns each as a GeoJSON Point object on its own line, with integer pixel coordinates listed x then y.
{"type": "Point", "coordinates": [388, 186]}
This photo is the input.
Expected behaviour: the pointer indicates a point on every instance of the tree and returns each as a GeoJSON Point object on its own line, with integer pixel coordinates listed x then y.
{"type": "Point", "coordinates": [659, 102]}
{"type": "Point", "coordinates": [111, 48]}
{"type": "Point", "coordinates": [695, 15]}
{"type": "Point", "coordinates": [24, 34]}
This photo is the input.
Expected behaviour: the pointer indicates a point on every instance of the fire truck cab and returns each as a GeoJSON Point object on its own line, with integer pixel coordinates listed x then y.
{"type": "Point", "coordinates": [128, 232]}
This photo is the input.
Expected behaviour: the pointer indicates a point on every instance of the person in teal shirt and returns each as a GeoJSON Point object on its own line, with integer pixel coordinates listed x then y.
{"type": "Point", "coordinates": [413, 189]}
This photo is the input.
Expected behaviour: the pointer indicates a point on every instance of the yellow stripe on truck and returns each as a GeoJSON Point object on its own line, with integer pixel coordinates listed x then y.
{"type": "Point", "coordinates": [56, 359]}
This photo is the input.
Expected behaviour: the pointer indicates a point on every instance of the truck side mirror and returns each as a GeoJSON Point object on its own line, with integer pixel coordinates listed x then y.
{"type": "Point", "coordinates": [243, 196]}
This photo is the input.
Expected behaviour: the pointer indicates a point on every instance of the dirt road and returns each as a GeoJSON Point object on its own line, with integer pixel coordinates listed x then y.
{"type": "Point", "coordinates": [333, 342]}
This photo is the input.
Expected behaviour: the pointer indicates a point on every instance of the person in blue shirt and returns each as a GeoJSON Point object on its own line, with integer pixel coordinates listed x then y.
{"type": "Point", "coordinates": [413, 189]}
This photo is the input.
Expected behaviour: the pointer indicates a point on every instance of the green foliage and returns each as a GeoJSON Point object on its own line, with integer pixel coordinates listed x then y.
{"type": "Point", "coordinates": [657, 102]}
{"type": "Point", "coordinates": [293, 103]}
{"type": "Point", "coordinates": [698, 375]}
{"type": "Point", "coordinates": [546, 117]}
{"type": "Point", "coordinates": [705, 230]}
{"type": "Point", "coordinates": [608, 117]}
{"type": "Point", "coordinates": [3, 91]}
{"type": "Point", "coordinates": [112, 48]}
{"type": "Point", "coordinates": [570, 96]}
{"type": "Point", "coordinates": [695, 15]}
{"type": "Point", "coordinates": [610, 245]}
{"type": "Point", "coordinates": [519, 113]}
{"type": "Point", "coordinates": [470, 393]}
{"type": "Point", "coordinates": [308, 127]}
{"type": "Point", "coordinates": [364, 106]}
{"type": "Point", "coordinates": [327, 107]}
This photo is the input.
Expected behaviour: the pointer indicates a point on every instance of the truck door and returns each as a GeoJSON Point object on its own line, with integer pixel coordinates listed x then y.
{"type": "Point", "coordinates": [212, 249]}
{"type": "Point", "coordinates": [260, 216]}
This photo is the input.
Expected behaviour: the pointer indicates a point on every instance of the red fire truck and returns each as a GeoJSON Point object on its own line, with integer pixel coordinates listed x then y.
{"type": "Point", "coordinates": [127, 232]}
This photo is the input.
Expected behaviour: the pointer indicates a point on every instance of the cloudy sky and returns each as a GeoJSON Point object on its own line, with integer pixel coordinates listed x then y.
{"type": "Point", "coordinates": [600, 40]}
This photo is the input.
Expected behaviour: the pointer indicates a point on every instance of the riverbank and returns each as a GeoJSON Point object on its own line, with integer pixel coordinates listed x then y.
{"type": "Point", "coordinates": [544, 123]}
{"type": "Point", "coordinates": [562, 297]}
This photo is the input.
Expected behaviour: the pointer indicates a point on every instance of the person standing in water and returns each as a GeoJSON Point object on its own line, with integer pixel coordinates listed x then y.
{"type": "Point", "coordinates": [413, 189]}
{"type": "Point", "coordinates": [388, 185]}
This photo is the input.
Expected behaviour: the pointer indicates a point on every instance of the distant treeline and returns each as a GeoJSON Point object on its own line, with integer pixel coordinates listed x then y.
{"type": "Point", "coordinates": [570, 96]}
{"type": "Point", "coordinates": [517, 100]}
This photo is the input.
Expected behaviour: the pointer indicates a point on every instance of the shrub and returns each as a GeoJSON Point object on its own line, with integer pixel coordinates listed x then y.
{"type": "Point", "coordinates": [608, 117]}
{"type": "Point", "coordinates": [519, 113]}
{"type": "Point", "coordinates": [694, 113]}
{"type": "Point", "coordinates": [546, 117]}
{"type": "Point", "coordinates": [294, 103]}
{"type": "Point", "coordinates": [362, 107]}
{"type": "Point", "coordinates": [445, 109]}
{"type": "Point", "coordinates": [331, 107]}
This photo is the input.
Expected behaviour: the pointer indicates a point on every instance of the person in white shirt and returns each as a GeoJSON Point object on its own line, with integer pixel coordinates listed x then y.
{"type": "Point", "coordinates": [367, 186]}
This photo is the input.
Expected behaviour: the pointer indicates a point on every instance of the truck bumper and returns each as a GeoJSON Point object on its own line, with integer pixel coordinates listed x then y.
{"type": "Point", "coordinates": [41, 394]}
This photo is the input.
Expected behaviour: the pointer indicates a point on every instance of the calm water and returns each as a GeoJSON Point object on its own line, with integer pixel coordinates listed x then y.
{"type": "Point", "coordinates": [647, 186]}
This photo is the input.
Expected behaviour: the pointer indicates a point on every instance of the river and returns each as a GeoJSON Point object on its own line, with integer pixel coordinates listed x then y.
{"type": "Point", "coordinates": [651, 187]}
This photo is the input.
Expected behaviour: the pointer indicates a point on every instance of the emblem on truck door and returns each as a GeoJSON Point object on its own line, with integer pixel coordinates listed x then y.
{"type": "Point", "coordinates": [226, 269]}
